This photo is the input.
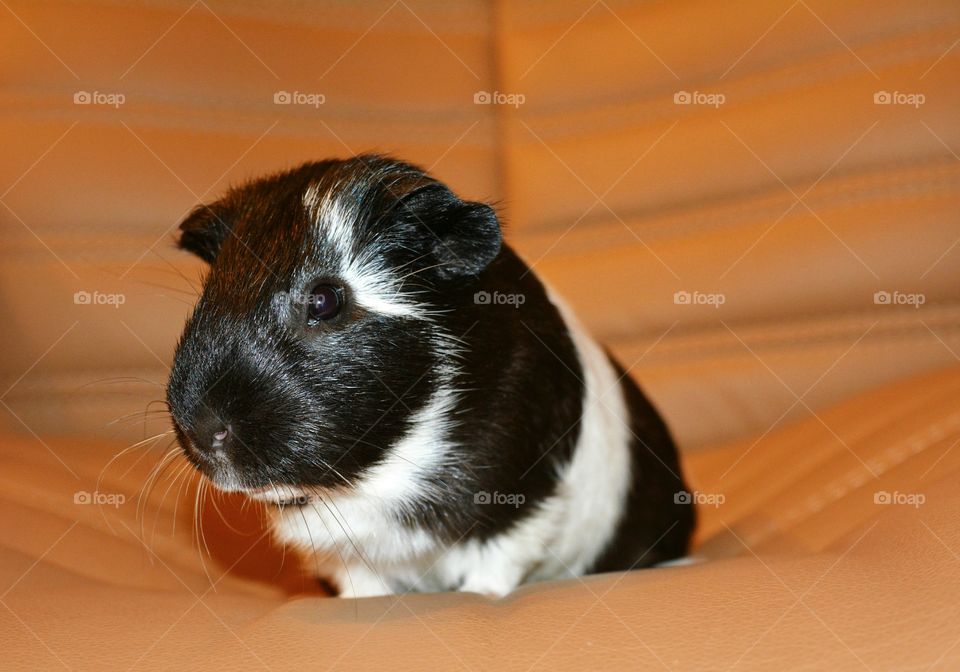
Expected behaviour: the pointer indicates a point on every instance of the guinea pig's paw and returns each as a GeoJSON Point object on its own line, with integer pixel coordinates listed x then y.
{"type": "Point", "coordinates": [359, 581]}
{"type": "Point", "coordinates": [491, 584]}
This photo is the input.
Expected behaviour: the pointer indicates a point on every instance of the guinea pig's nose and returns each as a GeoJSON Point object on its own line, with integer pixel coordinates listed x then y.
{"type": "Point", "coordinates": [220, 437]}
{"type": "Point", "coordinates": [210, 432]}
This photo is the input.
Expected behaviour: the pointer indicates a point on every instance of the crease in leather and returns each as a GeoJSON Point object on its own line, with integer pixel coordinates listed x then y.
{"type": "Point", "coordinates": [763, 519]}
{"type": "Point", "coordinates": [833, 491]}
{"type": "Point", "coordinates": [898, 180]}
{"type": "Point", "coordinates": [702, 343]}
{"type": "Point", "coordinates": [561, 124]}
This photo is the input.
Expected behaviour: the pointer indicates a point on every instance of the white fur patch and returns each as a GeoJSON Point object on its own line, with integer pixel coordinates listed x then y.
{"type": "Point", "coordinates": [399, 479]}
{"type": "Point", "coordinates": [357, 527]}
{"type": "Point", "coordinates": [333, 215]}
{"type": "Point", "coordinates": [375, 286]}
{"type": "Point", "coordinates": [596, 483]}
{"type": "Point", "coordinates": [572, 527]}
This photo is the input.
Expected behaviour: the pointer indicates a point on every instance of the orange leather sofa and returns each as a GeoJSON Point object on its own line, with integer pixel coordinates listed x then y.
{"type": "Point", "coordinates": [754, 204]}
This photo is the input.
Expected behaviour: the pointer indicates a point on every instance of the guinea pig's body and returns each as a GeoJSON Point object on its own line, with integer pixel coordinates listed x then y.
{"type": "Point", "coordinates": [419, 411]}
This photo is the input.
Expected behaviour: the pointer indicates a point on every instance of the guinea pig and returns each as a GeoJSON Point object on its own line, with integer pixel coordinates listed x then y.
{"type": "Point", "coordinates": [417, 409]}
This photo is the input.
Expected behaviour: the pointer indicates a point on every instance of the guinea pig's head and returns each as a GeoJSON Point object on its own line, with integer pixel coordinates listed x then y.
{"type": "Point", "coordinates": [319, 333]}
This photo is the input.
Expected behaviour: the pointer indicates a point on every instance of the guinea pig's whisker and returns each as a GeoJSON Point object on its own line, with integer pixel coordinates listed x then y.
{"type": "Point", "coordinates": [136, 445]}
{"type": "Point", "coordinates": [422, 270]}
{"type": "Point", "coordinates": [136, 416]}
{"type": "Point", "coordinates": [213, 494]}
{"type": "Point", "coordinates": [171, 289]}
{"type": "Point", "coordinates": [344, 527]}
{"type": "Point", "coordinates": [343, 561]}
{"type": "Point", "coordinates": [116, 380]}
{"type": "Point", "coordinates": [177, 290]}
{"type": "Point", "coordinates": [447, 336]}
{"type": "Point", "coordinates": [283, 547]}
{"type": "Point", "coordinates": [202, 491]}
{"type": "Point", "coordinates": [172, 442]}
{"type": "Point", "coordinates": [412, 261]}
{"type": "Point", "coordinates": [147, 488]}
{"type": "Point", "coordinates": [155, 438]}
{"type": "Point", "coordinates": [198, 532]}
{"type": "Point", "coordinates": [326, 465]}
{"type": "Point", "coordinates": [148, 439]}
{"type": "Point", "coordinates": [313, 546]}
{"type": "Point", "coordinates": [176, 270]}
{"type": "Point", "coordinates": [177, 478]}
{"type": "Point", "coordinates": [185, 475]}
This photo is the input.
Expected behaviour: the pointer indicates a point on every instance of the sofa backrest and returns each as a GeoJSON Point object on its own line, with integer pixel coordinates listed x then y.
{"type": "Point", "coordinates": [755, 206]}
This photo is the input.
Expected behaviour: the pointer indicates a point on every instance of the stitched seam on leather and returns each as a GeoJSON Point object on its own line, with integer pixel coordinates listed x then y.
{"type": "Point", "coordinates": [831, 492]}
{"type": "Point", "coordinates": [877, 344]}
{"type": "Point", "coordinates": [799, 335]}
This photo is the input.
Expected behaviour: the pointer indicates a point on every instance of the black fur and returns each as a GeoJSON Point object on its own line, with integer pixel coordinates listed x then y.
{"type": "Point", "coordinates": [657, 524]}
{"type": "Point", "coordinates": [319, 405]}
{"type": "Point", "coordinates": [518, 416]}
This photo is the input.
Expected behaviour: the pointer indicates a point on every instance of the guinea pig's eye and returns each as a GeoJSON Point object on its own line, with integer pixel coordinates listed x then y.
{"type": "Point", "coordinates": [323, 303]}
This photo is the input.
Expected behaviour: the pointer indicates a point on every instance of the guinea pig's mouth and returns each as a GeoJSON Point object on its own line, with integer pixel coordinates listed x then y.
{"type": "Point", "coordinates": [224, 479]}
{"type": "Point", "coordinates": [218, 469]}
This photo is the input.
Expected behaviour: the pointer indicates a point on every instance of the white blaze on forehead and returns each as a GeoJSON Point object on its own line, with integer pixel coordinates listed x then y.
{"type": "Point", "coordinates": [375, 286]}
{"type": "Point", "coordinates": [335, 217]}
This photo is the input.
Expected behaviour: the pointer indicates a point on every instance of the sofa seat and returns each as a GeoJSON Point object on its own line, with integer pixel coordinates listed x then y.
{"type": "Point", "coordinates": [829, 544]}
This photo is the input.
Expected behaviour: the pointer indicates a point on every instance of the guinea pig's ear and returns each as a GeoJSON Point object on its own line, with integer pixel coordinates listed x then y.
{"type": "Point", "coordinates": [464, 236]}
{"type": "Point", "coordinates": [203, 231]}
{"type": "Point", "coordinates": [471, 241]}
